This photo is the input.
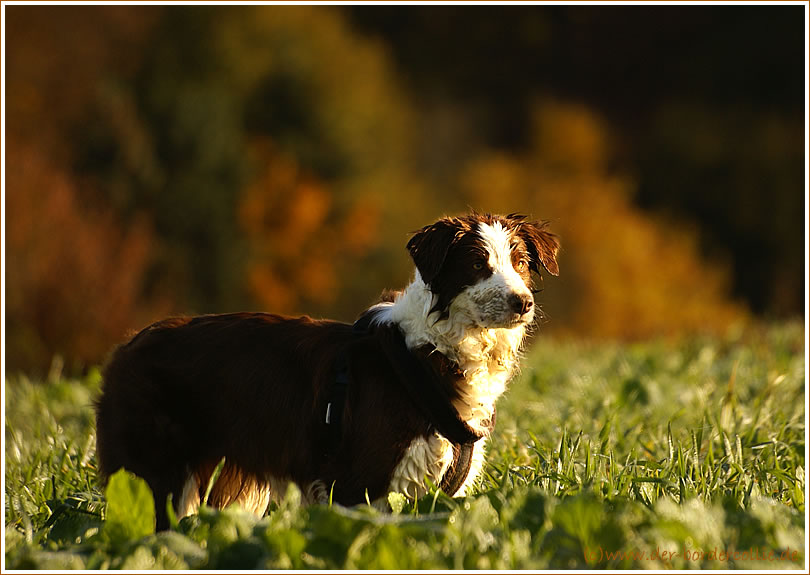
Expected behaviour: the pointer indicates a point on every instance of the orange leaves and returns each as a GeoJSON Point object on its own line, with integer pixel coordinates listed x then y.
{"type": "Point", "coordinates": [298, 238]}
{"type": "Point", "coordinates": [279, 161]}
{"type": "Point", "coordinates": [624, 273]}
{"type": "Point", "coordinates": [75, 276]}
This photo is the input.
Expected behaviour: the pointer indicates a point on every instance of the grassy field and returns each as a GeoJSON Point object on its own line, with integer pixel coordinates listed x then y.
{"type": "Point", "coordinates": [680, 455]}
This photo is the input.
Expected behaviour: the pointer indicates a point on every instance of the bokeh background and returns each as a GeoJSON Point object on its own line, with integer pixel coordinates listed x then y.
{"type": "Point", "coordinates": [164, 160]}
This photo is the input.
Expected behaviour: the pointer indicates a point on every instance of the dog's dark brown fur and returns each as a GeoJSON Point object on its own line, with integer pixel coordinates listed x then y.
{"type": "Point", "coordinates": [186, 392]}
{"type": "Point", "coordinates": [253, 387]}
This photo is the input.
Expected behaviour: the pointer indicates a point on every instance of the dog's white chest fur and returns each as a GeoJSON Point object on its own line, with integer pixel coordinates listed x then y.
{"type": "Point", "coordinates": [486, 357]}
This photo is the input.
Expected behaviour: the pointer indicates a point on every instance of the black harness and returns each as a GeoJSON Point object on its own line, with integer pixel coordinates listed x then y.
{"type": "Point", "coordinates": [455, 475]}
{"type": "Point", "coordinates": [419, 375]}
{"type": "Point", "coordinates": [334, 406]}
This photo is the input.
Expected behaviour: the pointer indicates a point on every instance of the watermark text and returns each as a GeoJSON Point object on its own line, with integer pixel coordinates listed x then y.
{"type": "Point", "coordinates": [600, 555]}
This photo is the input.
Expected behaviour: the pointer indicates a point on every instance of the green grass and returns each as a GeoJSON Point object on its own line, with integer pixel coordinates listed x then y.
{"type": "Point", "coordinates": [685, 454]}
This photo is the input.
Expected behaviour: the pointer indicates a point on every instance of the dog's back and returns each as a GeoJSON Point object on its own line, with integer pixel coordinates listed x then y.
{"type": "Point", "coordinates": [252, 388]}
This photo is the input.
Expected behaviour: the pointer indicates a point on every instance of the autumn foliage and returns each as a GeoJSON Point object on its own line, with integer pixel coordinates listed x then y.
{"type": "Point", "coordinates": [75, 273]}
{"type": "Point", "coordinates": [294, 246]}
{"type": "Point", "coordinates": [625, 273]}
{"type": "Point", "coordinates": [268, 157]}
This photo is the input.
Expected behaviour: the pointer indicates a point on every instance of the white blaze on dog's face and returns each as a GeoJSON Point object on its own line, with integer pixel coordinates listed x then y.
{"type": "Point", "coordinates": [479, 267]}
{"type": "Point", "coordinates": [503, 299]}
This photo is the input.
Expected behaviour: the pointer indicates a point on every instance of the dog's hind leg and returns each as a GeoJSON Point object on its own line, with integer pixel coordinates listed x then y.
{"type": "Point", "coordinates": [232, 486]}
{"type": "Point", "coordinates": [163, 485]}
{"type": "Point", "coordinates": [189, 502]}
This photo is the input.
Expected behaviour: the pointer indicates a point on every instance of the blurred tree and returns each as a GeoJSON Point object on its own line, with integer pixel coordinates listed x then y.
{"type": "Point", "coordinates": [168, 141]}
{"type": "Point", "coordinates": [74, 279]}
{"type": "Point", "coordinates": [74, 273]}
{"type": "Point", "coordinates": [213, 158]}
{"type": "Point", "coordinates": [708, 105]}
{"type": "Point", "coordinates": [622, 273]}
{"type": "Point", "coordinates": [56, 56]}
{"type": "Point", "coordinates": [261, 145]}
{"type": "Point", "coordinates": [246, 130]}
{"type": "Point", "coordinates": [331, 157]}
{"type": "Point", "coordinates": [743, 178]}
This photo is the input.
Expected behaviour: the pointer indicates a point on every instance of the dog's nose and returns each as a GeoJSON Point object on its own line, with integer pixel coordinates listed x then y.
{"type": "Point", "coordinates": [521, 303]}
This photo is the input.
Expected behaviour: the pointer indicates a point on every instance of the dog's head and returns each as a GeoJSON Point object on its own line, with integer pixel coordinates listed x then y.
{"type": "Point", "coordinates": [480, 266]}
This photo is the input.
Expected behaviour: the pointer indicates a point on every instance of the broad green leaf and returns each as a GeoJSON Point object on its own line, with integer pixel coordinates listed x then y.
{"type": "Point", "coordinates": [130, 508]}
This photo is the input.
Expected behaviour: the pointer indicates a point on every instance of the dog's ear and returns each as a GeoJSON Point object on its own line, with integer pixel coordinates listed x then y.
{"type": "Point", "coordinates": [542, 245]}
{"type": "Point", "coordinates": [429, 246]}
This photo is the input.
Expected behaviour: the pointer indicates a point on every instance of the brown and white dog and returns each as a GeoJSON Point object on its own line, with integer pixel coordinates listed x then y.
{"type": "Point", "coordinates": [354, 412]}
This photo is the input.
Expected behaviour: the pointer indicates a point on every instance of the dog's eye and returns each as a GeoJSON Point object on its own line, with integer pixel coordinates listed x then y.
{"type": "Point", "coordinates": [478, 266]}
{"type": "Point", "coordinates": [521, 265]}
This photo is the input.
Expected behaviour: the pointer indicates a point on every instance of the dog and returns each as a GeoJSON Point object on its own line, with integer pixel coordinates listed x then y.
{"type": "Point", "coordinates": [347, 412]}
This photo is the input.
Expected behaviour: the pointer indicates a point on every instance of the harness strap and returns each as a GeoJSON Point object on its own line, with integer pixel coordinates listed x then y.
{"type": "Point", "coordinates": [424, 385]}
{"type": "Point", "coordinates": [337, 396]}
{"type": "Point", "coordinates": [459, 469]}
{"type": "Point", "coordinates": [335, 403]}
